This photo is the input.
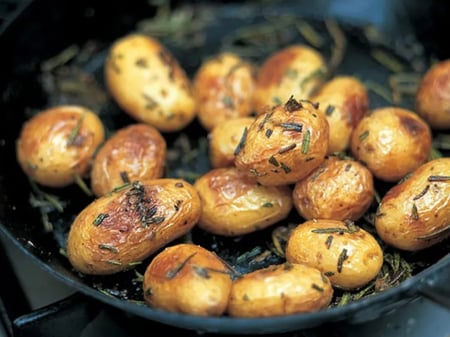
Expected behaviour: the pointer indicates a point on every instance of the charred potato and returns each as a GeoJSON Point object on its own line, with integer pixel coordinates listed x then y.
{"type": "Point", "coordinates": [129, 224]}
{"type": "Point", "coordinates": [56, 146]}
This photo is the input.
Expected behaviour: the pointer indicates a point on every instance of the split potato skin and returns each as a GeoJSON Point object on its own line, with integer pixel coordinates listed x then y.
{"type": "Point", "coordinates": [56, 145]}
{"type": "Point", "coordinates": [188, 279]}
{"type": "Point", "coordinates": [350, 256]}
{"type": "Point", "coordinates": [149, 84]}
{"type": "Point", "coordinates": [415, 214]}
{"type": "Point", "coordinates": [134, 152]}
{"type": "Point", "coordinates": [126, 226]}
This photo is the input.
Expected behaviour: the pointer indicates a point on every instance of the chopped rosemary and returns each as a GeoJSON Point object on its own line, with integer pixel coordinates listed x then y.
{"type": "Point", "coordinates": [306, 140]}
{"type": "Point", "coordinates": [74, 132]}
{"type": "Point", "coordinates": [267, 205]}
{"type": "Point", "coordinates": [421, 194]}
{"type": "Point", "coordinates": [124, 177]}
{"type": "Point", "coordinates": [414, 212]}
{"type": "Point", "coordinates": [438, 178]}
{"type": "Point", "coordinates": [272, 160]}
{"type": "Point", "coordinates": [316, 287]}
{"type": "Point", "coordinates": [292, 105]}
{"type": "Point", "coordinates": [99, 219]}
{"type": "Point", "coordinates": [292, 126]}
{"type": "Point", "coordinates": [265, 119]}
{"type": "Point", "coordinates": [329, 241]}
{"type": "Point", "coordinates": [173, 272]}
{"type": "Point", "coordinates": [242, 141]}
{"type": "Point", "coordinates": [329, 110]}
{"type": "Point", "coordinates": [269, 133]}
{"type": "Point", "coordinates": [342, 257]}
{"type": "Point", "coordinates": [276, 100]}
{"type": "Point", "coordinates": [108, 247]}
{"type": "Point", "coordinates": [285, 168]}
{"type": "Point", "coordinates": [363, 135]}
{"type": "Point", "coordinates": [287, 148]}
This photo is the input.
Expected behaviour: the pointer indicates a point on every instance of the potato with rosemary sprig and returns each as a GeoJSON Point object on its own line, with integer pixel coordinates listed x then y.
{"type": "Point", "coordinates": [189, 279]}
{"type": "Point", "coordinates": [56, 146]}
{"type": "Point", "coordinates": [285, 144]}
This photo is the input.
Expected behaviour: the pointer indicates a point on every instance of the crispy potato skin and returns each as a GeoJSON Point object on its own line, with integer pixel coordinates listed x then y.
{"type": "Point", "coordinates": [223, 88]}
{"type": "Point", "coordinates": [234, 204]}
{"type": "Point", "coordinates": [338, 189]}
{"type": "Point", "coordinates": [125, 227]}
{"type": "Point", "coordinates": [58, 144]}
{"type": "Point", "coordinates": [285, 144]}
{"type": "Point", "coordinates": [294, 70]}
{"type": "Point", "coordinates": [392, 142]}
{"type": "Point", "coordinates": [136, 150]}
{"type": "Point", "coordinates": [277, 290]}
{"type": "Point", "coordinates": [149, 84]}
{"type": "Point", "coordinates": [432, 96]}
{"type": "Point", "coordinates": [363, 254]}
{"type": "Point", "coordinates": [345, 101]}
{"type": "Point", "coordinates": [189, 279]}
{"type": "Point", "coordinates": [415, 214]}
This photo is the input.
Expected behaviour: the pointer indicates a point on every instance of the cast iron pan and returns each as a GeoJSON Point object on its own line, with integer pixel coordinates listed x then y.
{"type": "Point", "coordinates": [81, 40]}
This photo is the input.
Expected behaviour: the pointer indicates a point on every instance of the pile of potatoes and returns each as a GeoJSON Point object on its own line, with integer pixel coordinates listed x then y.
{"type": "Point", "coordinates": [274, 134]}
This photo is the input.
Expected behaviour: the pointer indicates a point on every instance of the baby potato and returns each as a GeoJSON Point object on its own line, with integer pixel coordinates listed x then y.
{"type": "Point", "coordinates": [223, 87]}
{"type": "Point", "coordinates": [415, 214]}
{"type": "Point", "coordinates": [188, 279]}
{"type": "Point", "coordinates": [223, 140]}
{"type": "Point", "coordinates": [344, 100]}
{"type": "Point", "coordinates": [134, 152]}
{"type": "Point", "coordinates": [392, 142]}
{"type": "Point", "coordinates": [294, 70]}
{"type": "Point", "coordinates": [234, 204]}
{"type": "Point", "coordinates": [129, 224]}
{"type": "Point", "coordinates": [432, 96]}
{"type": "Point", "coordinates": [55, 147]}
{"type": "Point", "coordinates": [285, 144]}
{"type": "Point", "coordinates": [149, 84]}
{"type": "Point", "coordinates": [338, 189]}
{"type": "Point", "coordinates": [277, 290]}
{"type": "Point", "coordinates": [350, 256]}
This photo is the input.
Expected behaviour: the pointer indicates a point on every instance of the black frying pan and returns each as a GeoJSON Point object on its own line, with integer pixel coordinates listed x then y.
{"type": "Point", "coordinates": [45, 28]}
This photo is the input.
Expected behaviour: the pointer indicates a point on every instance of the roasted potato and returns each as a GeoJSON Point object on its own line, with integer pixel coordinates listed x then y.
{"type": "Point", "coordinates": [223, 88]}
{"type": "Point", "coordinates": [415, 214]}
{"type": "Point", "coordinates": [55, 147]}
{"type": "Point", "coordinates": [234, 204]}
{"type": "Point", "coordinates": [129, 224]}
{"type": "Point", "coordinates": [350, 256]}
{"type": "Point", "coordinates": [285, 144]}
{"type": "Point", "coordinates": [134, 152]}
{"type": "Point", "coordinates": [188, 279]}
{"type": "Point", "coordinates": [285, 289]}
{"type": "Point", "coordinates": [149, 84]}
{"type": "Point", "coordinates": [392, 142]}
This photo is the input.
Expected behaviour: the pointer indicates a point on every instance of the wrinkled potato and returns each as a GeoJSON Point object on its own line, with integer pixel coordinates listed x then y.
{"type": "Point", "coordinates": [277, 290]}
{"type": "Point", "coordinates": [129, 224]}
{"type": "Point", "coordinates": [188, 279]}
{"type": "Point", "coordinates": [392, 142]}
{"type": "Point", "coordinates": [234, 204]}
{"type": "Point", "coordinates": [223, 87]}
{"type": "Point", "coordinates": [415, 214]}
{"type": "Point", "coordinates": [149, 84]}
{"type": "Point", "coordinates": [296, 70]}
{"type": "Point", "coordinates": [56, 146]}
{"type": "Point", "coordinates": [350, 256]}
{"type": "Point", "coordinates": [338, 189]}
{"type": "Point", "coordinates": [134, 152]}
{"type": "Point", "coordinates": [344, 100]}
{"type": "Point", "coordinates": [285, 144]}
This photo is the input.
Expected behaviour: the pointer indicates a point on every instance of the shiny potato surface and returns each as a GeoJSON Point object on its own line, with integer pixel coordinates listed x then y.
{"type": "Point", "coordinates": [189, 279]}
{"type": "Point", "coordinates": [149, 84]}
{"type": "Point", "coordinates": [56, 145]}
{"type": "Point", "coordinates": [392, 142]}
{"type": "Point", "coordinates": [134, 152]}
{"type": "Point", "coordinates": [234, 204]}
{"type": "Point", "coordinates": [415, 214]}
{"type": "Point", "coordinates": [124, 227]}
{"type": "Point", "coordinates": [350, 256]}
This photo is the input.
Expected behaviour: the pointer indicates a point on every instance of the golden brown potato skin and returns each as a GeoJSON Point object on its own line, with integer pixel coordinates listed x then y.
{"type": "Point", "coordinates": [433, 96]}
{"type": "Point", "coordinates": [285, 144]}
{"type": "Point", "coordinates": [415, 214]}
{"type": "Point", "coordinates": [134, 152]}
{"type": "Point", "coordinates": [360, 253]}
{"type": "Point", "coordinates": [57, 144]}
{"type": "Point", "coordinates": [294, 70]}
{"type": "Point", "coordinates": [149, 84]}
{"type": "Point", "coordinates": [126, 226]}
{"type": "Point", "coordinates": [338, 189]}
{"type": "Point", "coordinates": [189, 279]}
{"type": "Point", "coordinates": [278, 290]}
{"type": "Point", "coordinates": [392, 142]}
{"type": "Point", "coordinates": [344, 100]}
{"type": "Point", "coordinates": [234, 204]}
{"type": "Point", "coordinates": [223, 87]}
